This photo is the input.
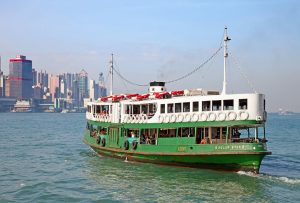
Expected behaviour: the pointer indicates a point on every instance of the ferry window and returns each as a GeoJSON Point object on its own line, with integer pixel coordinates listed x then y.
{"type": "Point", "coordinates": [186, 107]}
{"type": "Point", "coordinates": [152, 109]}
{"type": "Point", "coordinates": [195, 106]}
{"type": "Point", "coordinates": [136, 109]}
{"type": "Point", "coordinates": [97, 109]}
{"type": "Point", "coordinates": [170, 108]}
{"type": "Point", "coordinates": [145, 108]}
{"type": "Point", "coordinates": [177, 107]}
{"type": "Point", "coordinates": [228, 104]}
{"type": "Point", "coordinates": [216, 105]}
{"type": "Point", "coordinates": [128, 109]}
{"type": "Point", "coordinates": [167, 132]}
{"type": "Point", "coordinates": [186, 132]}
{"type": "Point", "coordinates": [162, 108]}
{"type": "Point", "coordinates": [104, 109]}
{"type": "Point", "coordinates": [243, 104]}
{"type": "Point", "coordinates": [89, 108]}
{"type": "Point", "coordinates": [206, 106]}
{"type": "Point", "coordinates": [110, 109]}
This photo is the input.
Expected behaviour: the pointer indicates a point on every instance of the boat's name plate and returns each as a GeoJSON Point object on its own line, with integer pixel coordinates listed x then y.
{"type": "Point", "coordinates": [234, 147]}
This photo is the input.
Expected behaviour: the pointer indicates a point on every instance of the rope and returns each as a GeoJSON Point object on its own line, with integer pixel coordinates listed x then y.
{"type": "Point", "coordinates": [177, 79]}
{"type": "Point", "coordinates": [243, 74]}
{"type": "Point", "coordinates": [128, 81]}
{"type": "Point", "coordinates": [195, 70]}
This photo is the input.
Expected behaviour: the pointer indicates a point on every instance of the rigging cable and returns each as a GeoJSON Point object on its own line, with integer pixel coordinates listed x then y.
{"type": "Point", "coordinates": [177, 79]}
{"type": "Point", "coordinates": [243, 73]}
{"type": "Point", "coordinates": [198, 68]}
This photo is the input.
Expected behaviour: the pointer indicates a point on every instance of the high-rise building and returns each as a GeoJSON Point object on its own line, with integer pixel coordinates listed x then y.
{"type": "Point", "coordinates": [42, 78]}
{"type": "Point", "coordinates": [19, 82]}
{"type": "Point", "coordinates": [53, 85]}
{"type": "Point", "coordinates": [83, 86]}
{"type": "Point", "coordinates": [102, 89]}
{"type": "Point", "coordinates": [2, 84]}
{"type": "Point", "coordinates": [94, 90]}
{"type": "Point", "coordinates": [34, 77]}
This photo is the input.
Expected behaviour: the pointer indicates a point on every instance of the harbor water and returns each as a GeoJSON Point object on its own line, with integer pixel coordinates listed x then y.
{"type": "Point", "coordinates": [43, 159]}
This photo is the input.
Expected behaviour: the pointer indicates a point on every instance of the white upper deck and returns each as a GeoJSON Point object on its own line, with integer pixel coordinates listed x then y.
{"type": "Point", "coordinates": [177, 107]}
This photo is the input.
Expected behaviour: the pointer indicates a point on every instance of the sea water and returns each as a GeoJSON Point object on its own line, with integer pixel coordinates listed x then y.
{"type": "Point", "coordinates": [43, 159]}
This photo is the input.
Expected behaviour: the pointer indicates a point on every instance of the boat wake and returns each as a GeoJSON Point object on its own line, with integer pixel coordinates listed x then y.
{"type": "Point", "coordinates": [283, 179]}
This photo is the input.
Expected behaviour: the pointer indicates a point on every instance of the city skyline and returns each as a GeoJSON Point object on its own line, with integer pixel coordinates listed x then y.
{"type": "Point", "coordinates": [161, 41]}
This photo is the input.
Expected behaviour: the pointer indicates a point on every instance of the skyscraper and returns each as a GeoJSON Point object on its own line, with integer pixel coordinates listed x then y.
{"type": "Point", "coordinates": [83, 86]}
{"type": "Point", "coordinates": [53, 85]}
{"type": "Point", "coordinates": [19, 81]}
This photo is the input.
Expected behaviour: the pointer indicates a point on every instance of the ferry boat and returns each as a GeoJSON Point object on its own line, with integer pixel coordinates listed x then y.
{"type": "Point", "coordinates": [194, 128]}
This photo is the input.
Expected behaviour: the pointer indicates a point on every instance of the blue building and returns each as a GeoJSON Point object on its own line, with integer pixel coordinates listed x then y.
{"type": "Point", "coordinates": [19, 83]}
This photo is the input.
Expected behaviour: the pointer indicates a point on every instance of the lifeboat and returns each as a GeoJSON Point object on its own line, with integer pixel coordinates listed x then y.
{"type": "Point", "coordinates": [177, 92]}
{"type": "Point", "coordinates": [105, 98]}
{"type": "Point", "coordinates": [142, 97]}
{"type": "Point", "coordinates": [118, 97]}
{"type": "Point", "coordinates": [159, 95]}
{"type": "Point", "coordinates": [129, 96]}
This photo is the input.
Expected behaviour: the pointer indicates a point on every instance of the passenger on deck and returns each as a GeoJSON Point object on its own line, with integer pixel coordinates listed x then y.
{"type": "Point", "coordinates": [148, 140]}
{"type": "Point", "coordinates": [132, 134]}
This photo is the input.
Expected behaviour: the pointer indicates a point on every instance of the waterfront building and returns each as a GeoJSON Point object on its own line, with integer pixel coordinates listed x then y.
{"type": "Point", "coordinates": [94, 90]}
{"type": "Point", "coordinates": [19, 82]}
{"type": "Point", "coordinates": [75, 93]}
{"type": "Point", "coordinates": [2, 84]}
{"type": "Point", "coordinates": [53, 83]}
{"type": "Point", "coordinates": [37, 92]}
{"type": "Point", "coordinates": [102, 91]}
{"type": "Point", "coordinates": [42, 78]}
{"type": "Point", "coordinates": [34, 77]}
{"type": "Point", "coordinates": [83, 86]}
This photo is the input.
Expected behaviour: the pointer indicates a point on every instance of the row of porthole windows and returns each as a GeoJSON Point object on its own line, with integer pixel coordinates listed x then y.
{"type": "Point", "coordinates": [214, 105]}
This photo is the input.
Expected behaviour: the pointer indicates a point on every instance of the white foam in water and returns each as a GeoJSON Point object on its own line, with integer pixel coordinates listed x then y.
{"type": "Point", "coordinates": [247, 173]}
{"type": "Point", "coordinates": [289, 180]}
{"type": "Point", "coordinates": [283, 179]}
{"type": "Point", "coordinates": [22, 184]}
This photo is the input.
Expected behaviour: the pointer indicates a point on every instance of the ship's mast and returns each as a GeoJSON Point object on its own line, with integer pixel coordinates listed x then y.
{"type": "Point", "coordinates": [111, 73]}
{"type": "Point", "coordinates": [226, 39]}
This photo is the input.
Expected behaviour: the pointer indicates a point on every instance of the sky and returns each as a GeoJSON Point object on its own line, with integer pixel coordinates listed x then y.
{"type": "Point", "coordinates": [161, 40]}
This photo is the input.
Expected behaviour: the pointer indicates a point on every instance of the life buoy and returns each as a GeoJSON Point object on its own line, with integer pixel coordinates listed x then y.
{"type": "Point", "coordinates": [221, 116]}
{"type": "Point", "coordinates": [133, 119]}
{"type": "Point", "coordinates": [203, 117]}
{"type": "Point", "coordinates": [103, 142]}
{"type": "Point", "coordinates": [231, 116]}
{"type": "Point", "coordinates": [125, 118]}
{"type": "Point", "coordinates": [98, 140]}
{"type": "Point", "coordinates": [195, 117]}
{"type": "Point", "coordinates": [161, 118]}
{"type": "Point", "coordinates": [211, 116]}
{"type": "Point", "coordinates": [126, 145]}
{"type": "Point", "coordinates": [243, 115]}
{"type": "Point", "coordinates": [180, 118]}
{"type": "Point", "coordinates": [129, 119]}
{"type": "Point", "coordinates": [203, 141]}
{"type": "Point", "coordinates": [187, 118]}
{"type": "Point", "coordinates": [144, 118]}
{"type": "Point", "coordinates": [167, 119]}
{"type": "Point", "coordinates": [134, 145]}
{"type": "Point", "coordinates": [173, 118]}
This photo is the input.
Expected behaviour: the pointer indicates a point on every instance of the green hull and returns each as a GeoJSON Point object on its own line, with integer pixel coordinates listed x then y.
{"type": "Point", "coordinates": [229, 157]}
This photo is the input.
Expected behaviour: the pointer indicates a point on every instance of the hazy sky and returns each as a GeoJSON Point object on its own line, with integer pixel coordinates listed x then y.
{"type": "Point", "coordinates": [162, 40]}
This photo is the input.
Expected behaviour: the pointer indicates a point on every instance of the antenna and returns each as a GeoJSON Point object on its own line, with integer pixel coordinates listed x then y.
{"type": "Point", "coordinates": [111, 73]}
{"type": "Point", "coordinates": [226, 38]}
